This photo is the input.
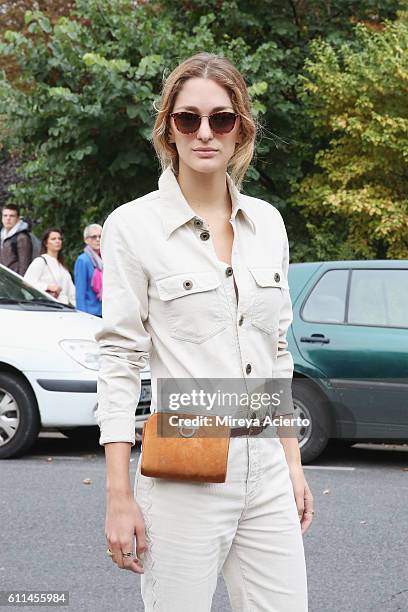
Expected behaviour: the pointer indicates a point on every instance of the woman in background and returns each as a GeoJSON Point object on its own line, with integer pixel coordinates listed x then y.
{"type": "Point", "coordinates": [48, 271]}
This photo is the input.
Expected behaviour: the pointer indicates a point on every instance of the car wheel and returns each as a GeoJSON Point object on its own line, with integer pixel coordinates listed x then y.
{"type": "Point", "coordinates": [311, 405]}
{"type": "Point", "coordinates": [82, 435]}
{"type": "Point", "coordinates": [19, 417]}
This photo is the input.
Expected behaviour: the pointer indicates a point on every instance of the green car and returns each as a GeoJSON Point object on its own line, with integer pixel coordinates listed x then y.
{"type": "Point", "coordinates": [349, 342]}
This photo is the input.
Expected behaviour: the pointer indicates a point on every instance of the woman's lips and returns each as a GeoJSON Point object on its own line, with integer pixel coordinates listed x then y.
{"type": "Point", "coordinates": [205, 152]}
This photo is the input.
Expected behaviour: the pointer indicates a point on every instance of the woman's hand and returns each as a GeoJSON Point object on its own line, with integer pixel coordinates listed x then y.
{"type": "Point", "coordinates": [303, 496]}
{"type": "Point", "coordinates": [55, 290]}
{"type": "Point", "coordinates": [124, 520]}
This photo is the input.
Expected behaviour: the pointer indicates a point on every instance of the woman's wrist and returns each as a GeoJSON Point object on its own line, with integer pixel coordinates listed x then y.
{"type": "Point", "coordinates": [292, 452]}
{"type": "Point", "coordinates": [116, 493]}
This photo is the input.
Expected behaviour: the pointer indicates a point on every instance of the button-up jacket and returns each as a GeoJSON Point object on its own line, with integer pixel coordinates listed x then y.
{"type": "Point", "coordinates": [167, 296]}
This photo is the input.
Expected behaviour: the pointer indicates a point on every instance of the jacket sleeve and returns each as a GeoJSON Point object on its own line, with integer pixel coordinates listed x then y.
{"type": "Point", "coordinates": [123, 340]}
{"type": "Point", "coordinates": [34, 274]}
{"type": "Point", "coordinates": [72, 292]}
{"type": "Point", "coordinates": [81, 283]}
{"type": "Point", "coordinates": [283, 371]}
{"type": "Point", "coordinates": [24, 252]}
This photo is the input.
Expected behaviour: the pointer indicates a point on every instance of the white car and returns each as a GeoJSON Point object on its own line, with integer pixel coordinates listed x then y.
{"type": "Point", "coordinates": [49, 362]}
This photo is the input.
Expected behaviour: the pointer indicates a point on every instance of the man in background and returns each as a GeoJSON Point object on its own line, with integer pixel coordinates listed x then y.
{"type": "Point", "coordinates": [15, 243]}
{"type": "Point", "coordinates": [88, 272]}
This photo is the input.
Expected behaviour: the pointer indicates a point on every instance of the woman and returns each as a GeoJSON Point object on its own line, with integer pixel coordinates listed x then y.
{"type": "Point", "coordinates": [195, 275]}
{"type": "Point", "coordinates": [88, 272]}
{"type": "Point", "coordinates": [48, 271]}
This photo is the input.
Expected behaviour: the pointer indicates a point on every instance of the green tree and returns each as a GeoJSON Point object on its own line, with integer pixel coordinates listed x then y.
{"type": "Point", "coordinates": [356, 99]}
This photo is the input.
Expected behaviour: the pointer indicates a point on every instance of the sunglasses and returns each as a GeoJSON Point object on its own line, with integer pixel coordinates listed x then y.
{"type": "Point", "coordinates": [220, 123]}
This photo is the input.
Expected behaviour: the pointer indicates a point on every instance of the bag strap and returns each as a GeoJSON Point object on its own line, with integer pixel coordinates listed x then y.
{"type": "Point", "coordinates": [47, 264]}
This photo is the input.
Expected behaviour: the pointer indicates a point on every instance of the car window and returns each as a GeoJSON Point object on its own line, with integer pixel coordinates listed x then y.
{"type": "Point", "coordinates": [14, 289]}
{"type": "Point", "coordinates": [379, 297]}
{"type": "Point", "coordinates": [327, 301]}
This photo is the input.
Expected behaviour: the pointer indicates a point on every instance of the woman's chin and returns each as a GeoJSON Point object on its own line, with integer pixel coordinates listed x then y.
{"type": "Point", "coordinates": [206, 166]}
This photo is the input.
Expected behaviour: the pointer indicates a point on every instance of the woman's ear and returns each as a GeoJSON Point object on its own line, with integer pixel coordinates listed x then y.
{"type": "Point", "coordinates": [170, 135]}
{"type": "Point", "coordinates": [238, 138]}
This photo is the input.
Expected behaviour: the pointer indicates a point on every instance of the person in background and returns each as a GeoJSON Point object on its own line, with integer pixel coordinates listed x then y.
{"type": "Point", "coordinates": [15, 244]}
{"type": "Point", "coordinates": [48, 271]}
{"type": "Point", "coordinates": [88, 272]}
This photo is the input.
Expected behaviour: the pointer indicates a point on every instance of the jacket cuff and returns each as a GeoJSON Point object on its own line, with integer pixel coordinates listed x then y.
{"type": "Point", "coordinates": [120, 430]}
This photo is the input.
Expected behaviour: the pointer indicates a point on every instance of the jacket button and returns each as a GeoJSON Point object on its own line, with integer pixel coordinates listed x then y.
{"type": "Point", "coordinates": [229, 271]}
{"type": "Point", "coordinates": [241, 320]}
{"type": "Point", "coordinates": [187, 284]}
{"type": "Point", "coordinates": [248, 368]}
{"type": "Point", "coordinates": [277, 277]}
{"type": "Point", "coordinates": [198, 222]}
{"type": "Point", "coordinates": [205, 235]}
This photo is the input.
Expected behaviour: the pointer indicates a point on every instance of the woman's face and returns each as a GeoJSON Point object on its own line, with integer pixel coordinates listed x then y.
{"type": "Point", "coordinates": [54, 241]}
{"type": "Point", "coordinates": [204, 150]}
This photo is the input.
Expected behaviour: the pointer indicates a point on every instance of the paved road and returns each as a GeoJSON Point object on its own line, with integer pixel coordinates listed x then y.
{"type": "Point", "coordinates": [52, 530]}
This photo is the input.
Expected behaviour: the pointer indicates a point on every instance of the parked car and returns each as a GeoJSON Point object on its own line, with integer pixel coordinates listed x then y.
{"type": "Point", "coordinates": [349, 341]}
{"type": "Point", "coordinates": [49, 362]}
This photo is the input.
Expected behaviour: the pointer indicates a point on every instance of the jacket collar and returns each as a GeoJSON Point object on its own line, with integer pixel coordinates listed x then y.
{"type": "Point", "coordinates": [177, 211]}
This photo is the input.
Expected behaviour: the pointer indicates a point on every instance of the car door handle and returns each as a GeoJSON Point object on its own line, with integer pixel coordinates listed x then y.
{"type": "Point", "coordinates": [315, 338]}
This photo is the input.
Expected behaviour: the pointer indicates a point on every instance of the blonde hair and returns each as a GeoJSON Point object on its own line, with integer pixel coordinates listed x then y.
{"type": "Point", "coordinates": [223, 72]}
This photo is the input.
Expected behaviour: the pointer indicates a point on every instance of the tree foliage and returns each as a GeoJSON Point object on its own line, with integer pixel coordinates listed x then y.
{"type": "Point", "coordinates": [357, 99]}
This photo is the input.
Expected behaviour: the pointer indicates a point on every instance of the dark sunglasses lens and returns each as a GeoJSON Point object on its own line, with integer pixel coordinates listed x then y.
{"type": "Point", "coordinates": [222, 123]}
{"type": "Point", "coordinates": [187, 123]}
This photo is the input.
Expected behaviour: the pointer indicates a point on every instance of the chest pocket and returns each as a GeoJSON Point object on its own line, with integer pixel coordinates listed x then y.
{"type": "Point", "coordinates": [192, 305]}
{"type": "Point", "coordinates": [267, 297]}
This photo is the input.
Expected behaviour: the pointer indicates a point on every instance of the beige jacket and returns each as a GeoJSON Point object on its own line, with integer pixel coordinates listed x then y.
{"type": "Point", "coordinates": [167, 295]}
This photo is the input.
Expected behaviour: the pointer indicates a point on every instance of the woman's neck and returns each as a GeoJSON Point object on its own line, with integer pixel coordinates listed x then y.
{"type": "Point", "coordinates": [207, 194]}
{"type": "Point", "coordinates": [53, 254]}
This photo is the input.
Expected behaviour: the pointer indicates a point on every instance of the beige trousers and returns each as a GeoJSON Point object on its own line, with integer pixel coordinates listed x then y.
{"type": "Point", "coordinates": [247, 528]}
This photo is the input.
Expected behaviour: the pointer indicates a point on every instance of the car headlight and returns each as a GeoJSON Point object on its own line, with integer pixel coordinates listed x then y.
{"type": "Point", "coordinates": [84, 352]}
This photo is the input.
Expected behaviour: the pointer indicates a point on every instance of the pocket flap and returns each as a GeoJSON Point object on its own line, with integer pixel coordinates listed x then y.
{"type": "Point", "coordinates": [268, 276]}
{"type": "Point", "coordinates": [177, 285]}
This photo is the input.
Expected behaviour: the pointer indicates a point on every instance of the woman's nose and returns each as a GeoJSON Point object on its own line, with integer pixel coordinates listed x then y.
{"type": "Point", "coordinates": [204, 132]}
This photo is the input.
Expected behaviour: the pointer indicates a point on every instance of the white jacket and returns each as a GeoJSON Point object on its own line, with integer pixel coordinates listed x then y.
{"type": "Point", "coordinates": [167, 295]}
{"type": "Point", "coordinates": [47, 270]}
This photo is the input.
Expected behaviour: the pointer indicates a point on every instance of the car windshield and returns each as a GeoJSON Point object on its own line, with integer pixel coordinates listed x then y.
{"type": "Point", "coordinates": [15, 290]}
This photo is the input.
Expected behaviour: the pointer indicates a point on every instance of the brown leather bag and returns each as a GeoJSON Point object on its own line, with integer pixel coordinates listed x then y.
{"type": "Point", "coordinates": [196, 456]}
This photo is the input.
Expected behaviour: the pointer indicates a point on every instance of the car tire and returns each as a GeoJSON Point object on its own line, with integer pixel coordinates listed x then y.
{"type": "Point", "coordinates": [21, 400]}
{"type": "Point", "coordinates": [310, 403]}
{"type": "Point", "coordinates": [83, 435]}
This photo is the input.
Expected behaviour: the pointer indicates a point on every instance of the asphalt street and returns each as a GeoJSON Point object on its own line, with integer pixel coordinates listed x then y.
{"type": "Point", "coordinates": [52, 530]}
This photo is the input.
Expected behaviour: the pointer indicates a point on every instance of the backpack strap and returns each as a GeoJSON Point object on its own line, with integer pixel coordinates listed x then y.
{"type": "Point", "coordinates": [13, 241]}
